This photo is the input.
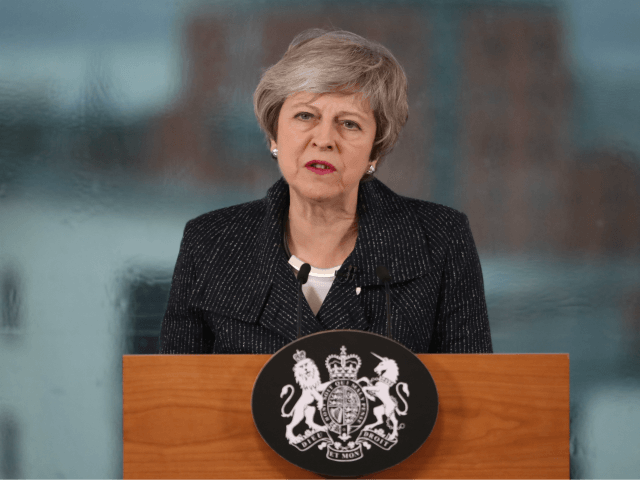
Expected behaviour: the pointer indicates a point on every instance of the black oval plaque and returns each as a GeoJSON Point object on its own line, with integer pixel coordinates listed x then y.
{"type": "Point", "coordinates": [344, 403]}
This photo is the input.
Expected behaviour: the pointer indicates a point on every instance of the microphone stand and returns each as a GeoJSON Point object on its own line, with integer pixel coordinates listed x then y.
{"type": "Point", "coordinates": [387, 290]}
{"type": "Point", "coordinates": [385, 277]}
{"type": "Point", "coordinates": [303, 276]}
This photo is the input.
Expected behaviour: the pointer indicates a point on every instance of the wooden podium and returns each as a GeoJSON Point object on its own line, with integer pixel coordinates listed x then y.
{"type": "Point", "coordinates": [500, 416]}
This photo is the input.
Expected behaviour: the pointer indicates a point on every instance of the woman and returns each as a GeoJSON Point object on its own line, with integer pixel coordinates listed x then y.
{"type": "Point", "coordinates": [331, 108]}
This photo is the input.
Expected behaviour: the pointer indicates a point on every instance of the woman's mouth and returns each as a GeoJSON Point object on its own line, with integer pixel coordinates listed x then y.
{"type": "Point", "coordinates": [320, 167]}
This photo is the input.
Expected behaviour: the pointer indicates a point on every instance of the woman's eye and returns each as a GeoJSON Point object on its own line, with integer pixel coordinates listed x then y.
{"type": "Point", "coordinates": [304, 116]}
{"type": "Point", "coordinates": [351, 125]}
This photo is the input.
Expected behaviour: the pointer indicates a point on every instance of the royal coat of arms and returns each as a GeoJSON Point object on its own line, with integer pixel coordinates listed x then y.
{"type": "Point", "coordinates": [336, 412]}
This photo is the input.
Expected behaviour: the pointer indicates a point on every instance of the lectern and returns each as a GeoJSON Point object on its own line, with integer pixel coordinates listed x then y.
{"type": "Point", "coordinates": [500, 416]}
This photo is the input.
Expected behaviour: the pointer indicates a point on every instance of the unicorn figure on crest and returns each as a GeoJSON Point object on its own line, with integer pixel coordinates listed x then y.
{"type": "Point", "coordinates": [378, 387]}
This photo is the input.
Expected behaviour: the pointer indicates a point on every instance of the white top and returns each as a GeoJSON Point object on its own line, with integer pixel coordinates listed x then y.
{"type": "Point", "coordinates": [318, 284]}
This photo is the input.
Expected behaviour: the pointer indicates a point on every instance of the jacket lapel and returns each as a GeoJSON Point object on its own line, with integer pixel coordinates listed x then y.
{"type": "Point", "coordinates": [342, 309]}
{"type": "Point", "coordinates": [280, 312]}
{"type": "Point", "coordinates": [389, 234]}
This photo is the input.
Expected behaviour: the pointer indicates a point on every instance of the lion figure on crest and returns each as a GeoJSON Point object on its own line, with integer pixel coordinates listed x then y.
{"type": "Point", "coordinates": [307, 376]}
{"type": "Point", "coordinates": [380, 387]}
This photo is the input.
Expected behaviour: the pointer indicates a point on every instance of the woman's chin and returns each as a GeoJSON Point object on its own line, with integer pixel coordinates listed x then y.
{"type": "Point", "coordinates": [313, 192]}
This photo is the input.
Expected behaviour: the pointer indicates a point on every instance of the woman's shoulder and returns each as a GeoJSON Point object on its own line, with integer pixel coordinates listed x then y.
{"type": "Point", "coordinates": [231, 215]}
{"type": "Point", "coordinates": [437, 214]}
{"type": "Point", "coordinates": [224, 224]}
{"type": "Point", "coordinates": [433, 215]}
{"type": "Point", "coordinates": [412, 227]}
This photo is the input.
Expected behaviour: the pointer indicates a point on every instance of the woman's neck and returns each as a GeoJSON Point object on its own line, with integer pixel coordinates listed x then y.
{"type": "Point", "coordinates": [322, 233]}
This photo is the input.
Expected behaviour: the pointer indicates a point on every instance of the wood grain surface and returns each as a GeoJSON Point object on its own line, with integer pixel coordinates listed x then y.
{"type": "Point", "coordinates": [500, 416]}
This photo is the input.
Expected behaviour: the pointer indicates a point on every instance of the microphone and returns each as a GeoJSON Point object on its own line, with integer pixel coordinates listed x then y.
{"type": "Point", "coordinates": [385, 277]}
{"type": "Point", "coordinates": [303, 276]}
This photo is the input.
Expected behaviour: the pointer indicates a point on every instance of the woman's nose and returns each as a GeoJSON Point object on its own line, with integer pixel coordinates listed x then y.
{"type": "Point", "coordinates": [324, 135]}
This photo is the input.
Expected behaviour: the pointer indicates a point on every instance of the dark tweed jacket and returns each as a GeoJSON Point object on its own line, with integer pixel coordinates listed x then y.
{"type": "Point", "coordinates": [234, 292]}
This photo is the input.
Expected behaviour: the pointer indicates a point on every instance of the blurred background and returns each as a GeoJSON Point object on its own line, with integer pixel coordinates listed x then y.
{"type": "Point", "coordinates": [121, 120]}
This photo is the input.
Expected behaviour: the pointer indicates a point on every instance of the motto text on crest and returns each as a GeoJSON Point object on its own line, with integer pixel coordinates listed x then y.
{"type": "Point", "coordinates": [343, 405]}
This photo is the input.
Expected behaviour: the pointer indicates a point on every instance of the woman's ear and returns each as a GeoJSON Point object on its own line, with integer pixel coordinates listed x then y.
{"type": "Point", "coordinates": [273, 144]}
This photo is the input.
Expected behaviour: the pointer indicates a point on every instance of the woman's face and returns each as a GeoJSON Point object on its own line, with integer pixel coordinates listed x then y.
{"type": "Point", "coordinates": [324, 144]}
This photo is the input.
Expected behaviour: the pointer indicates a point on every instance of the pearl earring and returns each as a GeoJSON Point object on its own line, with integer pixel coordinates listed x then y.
{"type": "Point", "coordinates": [274, 153]}
{"type": "Point", "coordinates": [372, 169]}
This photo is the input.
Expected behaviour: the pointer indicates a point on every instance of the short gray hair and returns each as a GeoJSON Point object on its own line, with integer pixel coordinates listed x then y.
{"type": "Point", "coordinates": [321, 61]}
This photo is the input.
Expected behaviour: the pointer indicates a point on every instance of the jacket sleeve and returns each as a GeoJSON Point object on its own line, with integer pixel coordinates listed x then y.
{"type": "Point", "coordinates": [184, 329]}
{"type": "Point", "coordinates": [462, 322]}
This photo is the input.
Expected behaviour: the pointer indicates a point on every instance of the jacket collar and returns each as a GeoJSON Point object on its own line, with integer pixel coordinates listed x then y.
{"type": "Point", "coordinates": [389, 234]}
{"type": "Point", "coordinates": [279, 287]}
{"type": "Point", "coordinates": [270, 251]}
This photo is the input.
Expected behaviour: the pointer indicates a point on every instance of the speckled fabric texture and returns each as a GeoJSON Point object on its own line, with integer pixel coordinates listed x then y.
{"type": "Point", "coordinates": [234, 292]}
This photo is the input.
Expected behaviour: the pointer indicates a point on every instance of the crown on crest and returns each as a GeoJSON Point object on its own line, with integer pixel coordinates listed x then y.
{"type": "Point", "coordinates": [343, 366]}
{"type": "Point", "coordinates": [299, 356]}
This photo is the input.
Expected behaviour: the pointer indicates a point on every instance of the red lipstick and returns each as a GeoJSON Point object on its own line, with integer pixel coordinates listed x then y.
{"type": "Point", "coordinates": [320, 167]}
